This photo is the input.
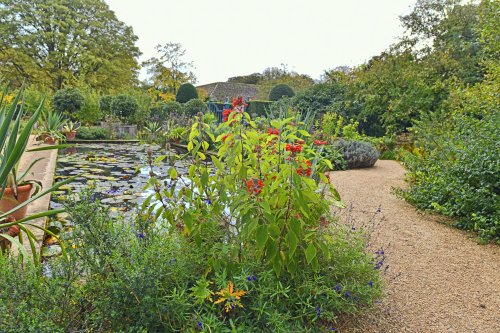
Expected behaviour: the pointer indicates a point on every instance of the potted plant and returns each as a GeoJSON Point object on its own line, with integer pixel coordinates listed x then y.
{"type": "Point", "coordinates": [52, 124]}
{"type": "Point", "coordinates": [13, 203]}
{"type": "Point", "coordinates": [69, 130]}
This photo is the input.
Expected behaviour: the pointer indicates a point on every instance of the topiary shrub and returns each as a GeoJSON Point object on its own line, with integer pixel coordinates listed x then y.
{"type": "Point", "coordinates": [68, 100]}
{"type": "Point", "coordinates": [186, 93]}
{"type": "Point", "coordinates": [194, 106]}
{"type": "Point", "coordinates": [105, 104]}
{"type": "Point", "coordinates": [279, 91]}
{"type": "Point", "coordinates": [124, 106]}
{"type": "Point", "coordinates": [357, 154]}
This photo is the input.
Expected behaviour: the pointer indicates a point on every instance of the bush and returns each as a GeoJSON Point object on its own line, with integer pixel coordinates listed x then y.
{"type": "Point", "coordinates": [357, 154]}
{"type": "Point", "coordinates": [90, 113]}
{"type": "Point", "coordinates": [105, 104]}
{"type": "Point", "coordinates": [193, 106]}
{"type": "Point", "coordinates": [457, 173]}
{"type": "Point", "coordinates": [258, 108]}
{"type": "Point", "coordinates": [162, 111]}
{"type": "Point", "coordinates": [186, 93]}
{"type": "Point", "coordinates": [68, 101]}
{"type": "Point", "coordinates": [124, 106]}
{"type": "Point", "coordinates": [279, 91]}
{"type": "Point", "coordinates": [140, 279]}
{"type": "Point", "coordinates": [93, 133]}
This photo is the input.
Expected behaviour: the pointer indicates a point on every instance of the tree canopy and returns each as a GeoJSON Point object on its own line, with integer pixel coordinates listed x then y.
{"type": "Point", "coordinates": [56, 43]}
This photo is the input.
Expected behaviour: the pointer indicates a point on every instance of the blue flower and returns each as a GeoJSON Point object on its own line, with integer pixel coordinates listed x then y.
{"type": "Point", "coordinates": [172, 261]}
{"type": "Point", "coordinates": [200, 324]}
{"type": "Point", "coordinates": [141, 236]}
{"type": "Point", "coordinates": [370, 283]}
{"type": "Point", "coordinates": [346, 294]}
{"type": "Point", "coordinates": [318, 309]}
{"type": "Point", "coordinates": [251, 278]}
{"type": "Point", "coordinates": [209, 201]}
{"type": "Point", "coordinates": [338, 287]}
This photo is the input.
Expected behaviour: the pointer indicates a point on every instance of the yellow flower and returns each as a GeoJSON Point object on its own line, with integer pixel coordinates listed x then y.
{"type": "Point", "coordinates": [230, 296]}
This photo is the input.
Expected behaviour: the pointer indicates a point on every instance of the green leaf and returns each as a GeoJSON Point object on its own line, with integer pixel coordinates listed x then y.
{"type": "Point", "coordinates": [310, 253]}
{"type": "Point", "coordinates": [291, 241]}
{"type": "Point", "coordinates": [262, 236]}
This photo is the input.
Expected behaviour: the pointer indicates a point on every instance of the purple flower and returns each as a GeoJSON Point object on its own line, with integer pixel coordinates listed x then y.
{"type": "Point", "coordinates": [318, 309]}
{"type": "Point", "coordinates": [370, 283]}
{"type": "Point", "coordinates": [141, 236]}
{"type": "Point", "coordinates": [92, 198]}
{"type": "Point", "coordinates": [346, 294]}
{"type": "Point", "coordinates": [200, 324]}
{"type": "Point", "coordinates": [338, 287]}
{"type": "Point", "coordinates": [251, 278]}
{"type": "Point", "coordinates": [209, 201]}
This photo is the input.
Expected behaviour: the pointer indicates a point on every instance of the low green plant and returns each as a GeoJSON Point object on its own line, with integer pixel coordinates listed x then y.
{"type": "Point", "coordinates": [279, 91]}
{"type": "Point", "coordinates": [193, 106]}
{"type": "Point", "coordinates": [93, 133]}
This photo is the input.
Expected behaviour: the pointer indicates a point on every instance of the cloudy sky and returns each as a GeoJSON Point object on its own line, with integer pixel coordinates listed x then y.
{"type": "Point", "coordinates": [227, 38]}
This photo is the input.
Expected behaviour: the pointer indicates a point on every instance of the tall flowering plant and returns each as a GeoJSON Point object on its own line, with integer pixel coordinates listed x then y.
{"type": "Point", "coordinates": [266, 188]}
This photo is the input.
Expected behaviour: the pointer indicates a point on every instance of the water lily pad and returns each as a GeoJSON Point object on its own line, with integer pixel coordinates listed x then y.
{"type": "Point", "coordinates": [51, 250]}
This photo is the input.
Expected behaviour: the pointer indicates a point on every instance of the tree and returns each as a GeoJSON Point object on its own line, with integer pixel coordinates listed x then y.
{"type": "Point", "coordinates": [68, 100]}
{"type": "Point", "coordinates": [169, 71]}
{"type": "Point", "coordinates": [60, 42]}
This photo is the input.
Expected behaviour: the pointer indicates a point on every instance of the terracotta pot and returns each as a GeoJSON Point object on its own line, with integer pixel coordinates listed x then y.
{"type": "Point", "coordinates": [70, 135]}
{"type": "Point", "coordinates": [9, 202]}
{"type": "Point", "coordinates": [42, 137]}
{"type": "Point", "coordinates": [50, 140]}
{"type": "Point", "coordinates": [12, 231]}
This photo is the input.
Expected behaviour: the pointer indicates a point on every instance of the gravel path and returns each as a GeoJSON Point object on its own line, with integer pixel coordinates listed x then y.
{"type": "Point", "coordinates": [438, 278]}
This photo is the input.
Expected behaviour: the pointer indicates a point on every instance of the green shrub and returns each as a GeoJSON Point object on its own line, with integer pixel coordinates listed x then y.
{"type": "Point", "coordinates": [457, 173]}
{"type": "Point", "coordinates": [258, 108]}
{"type": "Point", "coordinates": [90, 113]}
{"type": "Point", "coordinates": [279, 91]}
{"type": "Point", "coordinates": [162, 111]}
{"type": "Point", "coordinates": [193, 106]}
{"type": "Point", "coordinates": [93, 133]}
{"type": "Point", "coordinates": [124, 106]}
{"type": "Point", "coordinates": [68, 101]}
{"type": "Point", "coordinates": [357, 154]}
{"type": "Point", "coordinates": [105, 104]}
{"type": "Point", "coordinates": [186, 93]}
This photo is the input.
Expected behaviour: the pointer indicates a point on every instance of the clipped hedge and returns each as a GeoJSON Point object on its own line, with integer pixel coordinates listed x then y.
{"type": "Point", "coordinates": [124, 106]}
{"type": "Point", "coordinates": [258, 108]}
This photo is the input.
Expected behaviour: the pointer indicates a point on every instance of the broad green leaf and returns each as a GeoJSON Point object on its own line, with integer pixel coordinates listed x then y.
{"type": "Point", "coordinates": [310, 253]}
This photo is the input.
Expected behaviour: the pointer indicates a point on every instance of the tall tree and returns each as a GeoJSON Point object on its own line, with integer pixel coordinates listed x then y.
{"type": "Point", "coordinates": [59, 42]}
{"type": "Point", "coordinates": [168, 71]}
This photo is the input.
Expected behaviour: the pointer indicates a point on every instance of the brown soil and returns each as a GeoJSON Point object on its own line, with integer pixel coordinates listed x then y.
{"type": "Point", "coordinates": [438, 279]}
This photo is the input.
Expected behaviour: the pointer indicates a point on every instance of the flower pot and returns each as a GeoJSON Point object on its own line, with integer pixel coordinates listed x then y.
{"type": "Point", "coordinates": [9, 202]}
{"type": "Point", "coordinates": [50, 140]}
{"type": "Point", "coordinates": [70, 135]}
{"type": "Point", "coordinates": [42, 137]}
{"type": "Point", "coordinates": [12, 231]}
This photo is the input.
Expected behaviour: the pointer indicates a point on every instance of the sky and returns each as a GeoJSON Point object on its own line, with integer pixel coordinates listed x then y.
{"type": "Point", "coordinates": [225, 38]}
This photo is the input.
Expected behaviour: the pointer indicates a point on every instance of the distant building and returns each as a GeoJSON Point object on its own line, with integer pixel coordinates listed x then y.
{"type": "Point", "coordinates": [219, 91]}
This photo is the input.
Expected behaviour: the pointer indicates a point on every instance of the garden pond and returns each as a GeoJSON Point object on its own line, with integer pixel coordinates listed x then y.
{"type": "Point", "coordinates": [117, 172]}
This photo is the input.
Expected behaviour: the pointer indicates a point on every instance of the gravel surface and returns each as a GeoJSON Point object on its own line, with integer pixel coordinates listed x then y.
{"type": "Point", "coordinates": [438, 278]}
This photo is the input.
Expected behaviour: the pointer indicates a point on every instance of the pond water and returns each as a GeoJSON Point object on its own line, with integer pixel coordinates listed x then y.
{"type": "Point", "coordinates": [118, 172]}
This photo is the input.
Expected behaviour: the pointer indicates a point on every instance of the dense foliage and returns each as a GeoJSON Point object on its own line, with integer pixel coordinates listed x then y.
{"type": "Point", "coordinates": [194, 106]}
{"type": "Point", "coordinates": [124, 106]}
{"type": "Point", "coordinates": [56, 43]}
{"type": "Point", "coordinates": [186, 93]}
{"type": "Point", "coordinates": [357, 154]}
{"type": "Point", "coordinates": [279, 91]}
{"type": "Point", "coordinates": [68, 100]}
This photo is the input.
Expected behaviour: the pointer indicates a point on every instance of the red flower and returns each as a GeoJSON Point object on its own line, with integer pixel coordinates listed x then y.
{"type": "Point", "coordinates": [293, 148]}
{"type": "Point", "coordinates": [224, 137]}
{"type": "Point", "coordinates": [255, 186]}
{"type": "Point", "coordinates": [288, 147]}
{"type": "Point", "coordinates": [308, 163]}
{"type": "Point", "coordinates": [271, 131]}
{"type": "Point", "coordinates": [319, 142]}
